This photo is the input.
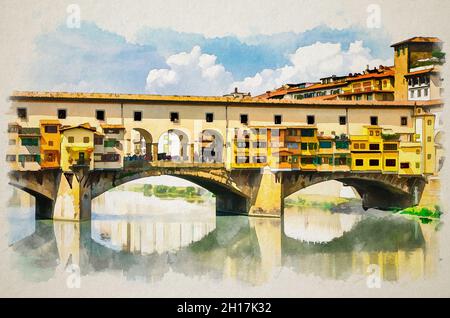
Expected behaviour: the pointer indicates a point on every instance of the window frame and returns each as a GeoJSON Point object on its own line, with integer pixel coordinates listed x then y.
{"type": "Point", "coordinates": [97, 112]}
{"type": "Point", "coordinates": [58, 114]}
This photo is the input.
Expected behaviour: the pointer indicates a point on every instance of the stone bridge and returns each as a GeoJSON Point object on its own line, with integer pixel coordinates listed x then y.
{"type": "Point", "coordinates": [260, 192]}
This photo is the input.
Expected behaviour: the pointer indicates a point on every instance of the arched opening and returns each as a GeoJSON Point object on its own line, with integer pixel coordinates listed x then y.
{"type": "Point", "coordinates": [211, 146]}
{"type": "Point", "coordinates": [173, 145]}
{"type": "Point", "coordinates": [142, 144]}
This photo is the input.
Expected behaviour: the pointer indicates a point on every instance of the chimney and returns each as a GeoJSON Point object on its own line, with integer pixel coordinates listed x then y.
{"type": "Point", "coordinates": [236, 90]}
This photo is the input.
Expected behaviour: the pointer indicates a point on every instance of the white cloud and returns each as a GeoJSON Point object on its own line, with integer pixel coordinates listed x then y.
{"type": "Point", "coordinates": [312, 62]}
{"type": "Point", "coordinates": [190, 73]}
{"type": "Point", "coordinates": [197, 73]}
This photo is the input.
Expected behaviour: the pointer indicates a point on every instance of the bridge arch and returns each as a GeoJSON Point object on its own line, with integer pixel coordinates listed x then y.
{"type": "Point", "coordinates": [382, 191]}
{"type": "Point", "coordinates": [143, 144]}
{"type": "Point", "coordinates": [173, 145]}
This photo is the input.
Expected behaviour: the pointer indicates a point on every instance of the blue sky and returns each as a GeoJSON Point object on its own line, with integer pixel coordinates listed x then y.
{"type": "Point", "coordinates": [92, 59]}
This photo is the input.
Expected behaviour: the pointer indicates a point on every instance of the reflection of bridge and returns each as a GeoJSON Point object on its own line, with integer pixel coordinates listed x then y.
{"type": "Point", "coordinates": [402, 251]}
{"type": "Point", "coordinates": [248, 191]}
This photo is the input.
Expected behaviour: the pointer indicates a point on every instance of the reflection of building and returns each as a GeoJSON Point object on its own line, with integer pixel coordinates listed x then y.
{"type": "Point", "coordinates": [149, 237]}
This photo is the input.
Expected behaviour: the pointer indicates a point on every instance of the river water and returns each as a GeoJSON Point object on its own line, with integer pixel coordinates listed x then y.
{"type": "Point", "coordinates": [142, 238]}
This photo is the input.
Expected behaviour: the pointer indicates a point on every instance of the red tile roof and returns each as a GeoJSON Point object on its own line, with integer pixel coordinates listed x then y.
{"type": "Point", "coordinates": [429, 70]}
{"type": "Point", "coordinates": [419, 39]}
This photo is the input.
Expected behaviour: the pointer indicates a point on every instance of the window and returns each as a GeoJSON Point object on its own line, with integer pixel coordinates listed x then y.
{"type": "Point", "coordinates": [29, 158]}
{"type": "Point", "coordinates": [86, 140]}
{"type": "Point", "coordinates": [30, 141]}
{"type": "Point", "coordinates": [342, 120]}
{"type": "Point", "coordinates": [371, 133]}
{"type": "Point", "coordinates": [260, 144]}
{"type": "Point", "coordinates": [374, 146]}
{"type": "Point", "coordinates": [359, 162]}
{"type": "Point", "coordinates": [404, 165]}
{"type": "Point", "coordinates": [110, 157]}
{"type": "Point", "coordinates": [242, 159]}
{"type": "Point", "coordinates": [325, 144]}
{"type": "Point", "coordinates": [425, 92]}
{"type": "Point", "coordinates": [390, 162]}
{"type": "Point", "coordinates": [374, 162]}
{"type": "Point", "coordinates": [49, 157]}
{"type": "Point", "coordinates": [51, 129]}
{"type": "Point", "coordinates": [417, 165]}
{"type": "Point", "coordinates": [244, 119]}
{"type": "Point", "coordinates": [356, 146]}
{"type": "Point", "coordinates": [310, 119]}
{"type": "Point", "coordinates": [307, 133]}
{"type": "Point", "coordinates": [390, 146]}
{"type": "Point", "coordinates": [362, 146]}
{"type": "Point", "coordinates": [419, 93]}
{"type": "Point", "coordinates": [110, 143]}
{"type": "Point", "coordinates": [292, 145]}
{"type": "Point", "coordinates": [100, 115]}
{"type": "Point", "coordinates": [62, 114]}
{"type": "Point", "coordinates": [417, 151]}
{"type": "Point", "coordinates": [429, 138]}
{"type": "Point", "coordinates": [209, 117]}
{"type": "Point", "coordinates": [429, 156]}
{"type": "Point", "coordinates": [404, 121]}
{"type": "Point", "coordinates": [304, 146]}
{"type": "Point", "coordinates": [411, 94]}
{"type": "Point", "coordinates": [12, 142]}
{"type": "Point", "coordinates": [22, 113]}
{"type": "Point", "coordinates": [137, 116]}
{"type": "Point", "coordinates": [277, 119]}
{"type": "Point", "coordinates": [98, 140]}
{"type": "Point", "coordinates": [71, 140]}
{"type": "Point", "coordinates": [341, 144]}
{"type": "Point", "coordinates": [369, 97]}
{"type": "Point", "coordinates": [312, 146]}
{"type": "Point", "coordinates": [174, 117]}
{"type": "Point", "coordinates": [11, 158]}
{"type": "Point", "coordinates": [307, 160]}
{"type": "Point", "coordinates": [374, 120]}
{"type": "Point", "coordinates": [429, 122]}
{"type": "Point", "coordinates": [358, 97]}
{"type": "Point", "coordinates": [259, 159]}
{"type": "Point", "coordinates": [243, 144]}
{"type": "Point", "coordinates": [50, 143]}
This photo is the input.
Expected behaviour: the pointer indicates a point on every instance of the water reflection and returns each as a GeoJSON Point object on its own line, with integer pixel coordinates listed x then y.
{"type": "Point", "coordinates": [190, 239]}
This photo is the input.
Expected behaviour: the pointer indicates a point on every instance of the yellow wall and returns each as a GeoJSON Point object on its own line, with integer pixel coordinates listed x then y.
{"type": "Point", "coordinates": [50, 144]}
{"type": "Point", "coordinates": [401, 69]}
{"type": "Point", "coordinates": [70, 152]}
{"type": "Point", "coordinates": [410, 153]}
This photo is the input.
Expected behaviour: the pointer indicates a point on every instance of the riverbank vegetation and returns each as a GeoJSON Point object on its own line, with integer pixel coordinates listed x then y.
{"type": "Point", "coordinates": [317, 201]}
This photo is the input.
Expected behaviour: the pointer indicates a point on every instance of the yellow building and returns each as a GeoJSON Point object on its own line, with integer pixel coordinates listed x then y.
{"type": "Point", "coordinates": [390, 155]}
{"type": "Point", "coordinates": [410, 158]}
{"type": "Point", "coordinates": [50, 144]}
{"type": "Point", "coordinates": [77, 146]}
{"type": "Point", "coordinates": [366, 150]}
{"type": "Point", "coordinates": [424, 125]}
{"type": "Point", "coordinates": [376, 84]}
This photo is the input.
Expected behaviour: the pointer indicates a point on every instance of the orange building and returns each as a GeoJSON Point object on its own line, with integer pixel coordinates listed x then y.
{"type": "Point", "coordinates": [50, 145]}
